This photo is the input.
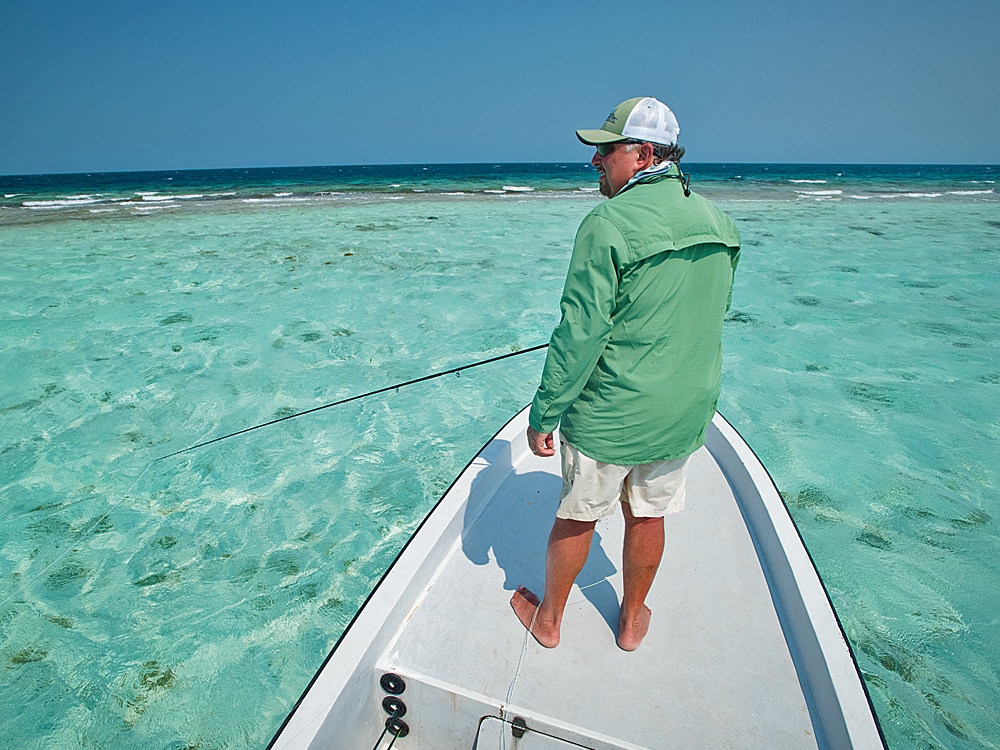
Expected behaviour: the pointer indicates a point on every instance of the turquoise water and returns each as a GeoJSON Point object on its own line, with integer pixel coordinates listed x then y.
{"type": "Point", "coordinates": [188, 602]}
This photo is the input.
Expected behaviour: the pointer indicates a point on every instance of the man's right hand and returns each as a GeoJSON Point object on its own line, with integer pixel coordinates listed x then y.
{"type": "Point", "coordinates": [541, 443]}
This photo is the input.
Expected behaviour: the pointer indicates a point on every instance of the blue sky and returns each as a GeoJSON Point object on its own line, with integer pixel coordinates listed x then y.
{"type": "Point", "coordinates": [114, 85]}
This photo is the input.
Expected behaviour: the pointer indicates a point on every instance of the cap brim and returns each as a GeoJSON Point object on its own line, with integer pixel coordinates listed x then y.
{"type": "Point", "coordinates": [597, 137]}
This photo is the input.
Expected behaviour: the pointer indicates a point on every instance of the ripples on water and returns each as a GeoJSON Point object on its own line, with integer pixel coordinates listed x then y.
{"type": "Point", "coordinates": [861, 364]}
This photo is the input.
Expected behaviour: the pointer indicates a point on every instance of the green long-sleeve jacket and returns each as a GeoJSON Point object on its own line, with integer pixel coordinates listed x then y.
{"type": "Point", "coordinates": [634, 367]}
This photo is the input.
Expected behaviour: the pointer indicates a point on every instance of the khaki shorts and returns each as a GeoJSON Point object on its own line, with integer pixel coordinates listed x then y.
{"type": "Point", "coordinates": [592, 489]}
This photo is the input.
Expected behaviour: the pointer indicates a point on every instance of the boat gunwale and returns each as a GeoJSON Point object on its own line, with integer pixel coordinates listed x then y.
{"type": "Point", "coordinates": [742, 446]}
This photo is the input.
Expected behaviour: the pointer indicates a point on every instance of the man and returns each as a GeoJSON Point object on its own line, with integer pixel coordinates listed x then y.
{"type": "Point", "coordinates": [633, 369]}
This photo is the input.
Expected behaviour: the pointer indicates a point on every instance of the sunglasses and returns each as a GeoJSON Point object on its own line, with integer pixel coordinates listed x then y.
{"type": "Point", "coordinates": [606, 148]}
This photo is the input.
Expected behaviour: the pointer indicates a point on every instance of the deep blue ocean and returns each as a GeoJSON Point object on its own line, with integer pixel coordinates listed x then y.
{"type": "Point", "coordinates": [187, 602]}
{"type": "Point", "coordinates": [94, 193]}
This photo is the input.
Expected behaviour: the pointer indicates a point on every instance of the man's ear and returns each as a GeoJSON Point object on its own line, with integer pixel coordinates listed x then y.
{"type": "Point", "coordinates": [646, 155]}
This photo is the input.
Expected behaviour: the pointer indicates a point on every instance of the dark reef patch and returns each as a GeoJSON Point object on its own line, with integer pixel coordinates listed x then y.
{"type": "Point", "coordinates": [809, 497]}
{"type": "Point", "coordinates": [155, 677]}
{"type": "Point", "coordinates": [176, 318]}
{"type": "Point", "coordinates": [873, 538]}
{"type": "Point", "coordinates": [164, 542]}
{"type": "Point", "coordinates": [869, 393]}
{"type": "Point", "coordinates": [152, 579]}
{"type": "Point", "coordinates": [736, 316]}
{"type": "Point", "coordinates": [28, 656]}
{"type": "Point", "coordinates": [375, 227]}
{"type": "Point", "coordinates": [70, 573]}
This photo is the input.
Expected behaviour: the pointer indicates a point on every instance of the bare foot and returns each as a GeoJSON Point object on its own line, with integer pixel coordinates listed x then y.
{"type": "Point", "coordinates": [630, 635]}
{"type": "Point", "coordinates": [526, 606]}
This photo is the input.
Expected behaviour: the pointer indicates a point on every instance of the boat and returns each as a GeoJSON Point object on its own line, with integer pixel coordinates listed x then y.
{"type": "Point", "coordinates": [744, 648]}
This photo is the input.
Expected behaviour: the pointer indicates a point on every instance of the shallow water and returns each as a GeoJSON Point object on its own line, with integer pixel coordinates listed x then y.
{"type": "Point", "coordinates": [227, 574]}
{"type": "Point", "coordinates": [863, 367]}
{"type": "Point", "coordinates": [142, 602]}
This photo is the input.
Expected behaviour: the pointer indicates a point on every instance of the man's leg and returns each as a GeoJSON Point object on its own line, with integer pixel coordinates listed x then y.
{"type": "Point", "coordinates": [569, 545]}
{"type": "Point", "coordinates": [640, 561]}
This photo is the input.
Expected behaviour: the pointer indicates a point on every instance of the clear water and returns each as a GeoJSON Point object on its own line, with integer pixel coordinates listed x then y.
{"type": "Point", "coordinates": [187, 602]}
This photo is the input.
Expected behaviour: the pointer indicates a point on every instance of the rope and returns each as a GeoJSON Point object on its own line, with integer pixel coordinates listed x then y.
{"type": "Point", "coordinates": [395, 715]}
{"type": "Point", "coordinates": [517, 673]}
{"type": "Point", "coordinates": [395, 387]}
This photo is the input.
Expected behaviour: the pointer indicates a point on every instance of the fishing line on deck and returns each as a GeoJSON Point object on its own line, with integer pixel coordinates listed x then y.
{"type": "Point", "coordinates": [396, 387]}
{"type": "Point", "coordinates": [387, 730]}
{"type": "Point", "coordinates": [505, 709]}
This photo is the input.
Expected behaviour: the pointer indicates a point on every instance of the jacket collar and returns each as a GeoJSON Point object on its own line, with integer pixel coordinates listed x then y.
{"type": "Point", "coordinates": [663, 170]}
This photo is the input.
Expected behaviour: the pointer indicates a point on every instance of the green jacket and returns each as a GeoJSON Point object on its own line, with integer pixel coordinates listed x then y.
{"type": "Point", "coordinates": [634, 367]}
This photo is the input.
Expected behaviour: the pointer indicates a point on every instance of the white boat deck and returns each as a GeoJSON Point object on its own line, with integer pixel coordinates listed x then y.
{"type": "Point", "coordinates": [744, 650]}
{"type": "Point", "coordinates": [714, 671]}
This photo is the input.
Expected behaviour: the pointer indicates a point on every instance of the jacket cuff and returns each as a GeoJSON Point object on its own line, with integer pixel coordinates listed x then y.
{"type": "Point", "coordinates": [536, 423]}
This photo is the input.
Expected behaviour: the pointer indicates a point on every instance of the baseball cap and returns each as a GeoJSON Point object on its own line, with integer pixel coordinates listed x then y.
{"type": "Point", "coordinates": [643, 118]}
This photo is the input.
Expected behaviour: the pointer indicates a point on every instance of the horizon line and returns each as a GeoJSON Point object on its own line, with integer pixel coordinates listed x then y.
{"type": "Point", "coordinates": [87, 173]}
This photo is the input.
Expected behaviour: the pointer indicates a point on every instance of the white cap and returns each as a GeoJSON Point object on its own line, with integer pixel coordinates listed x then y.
{"type": "Point", "coordinates": [643, 119]}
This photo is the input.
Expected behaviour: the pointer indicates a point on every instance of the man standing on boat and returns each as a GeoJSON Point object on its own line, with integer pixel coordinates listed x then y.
{"type": "Point", "coordinates": [633, 369]}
